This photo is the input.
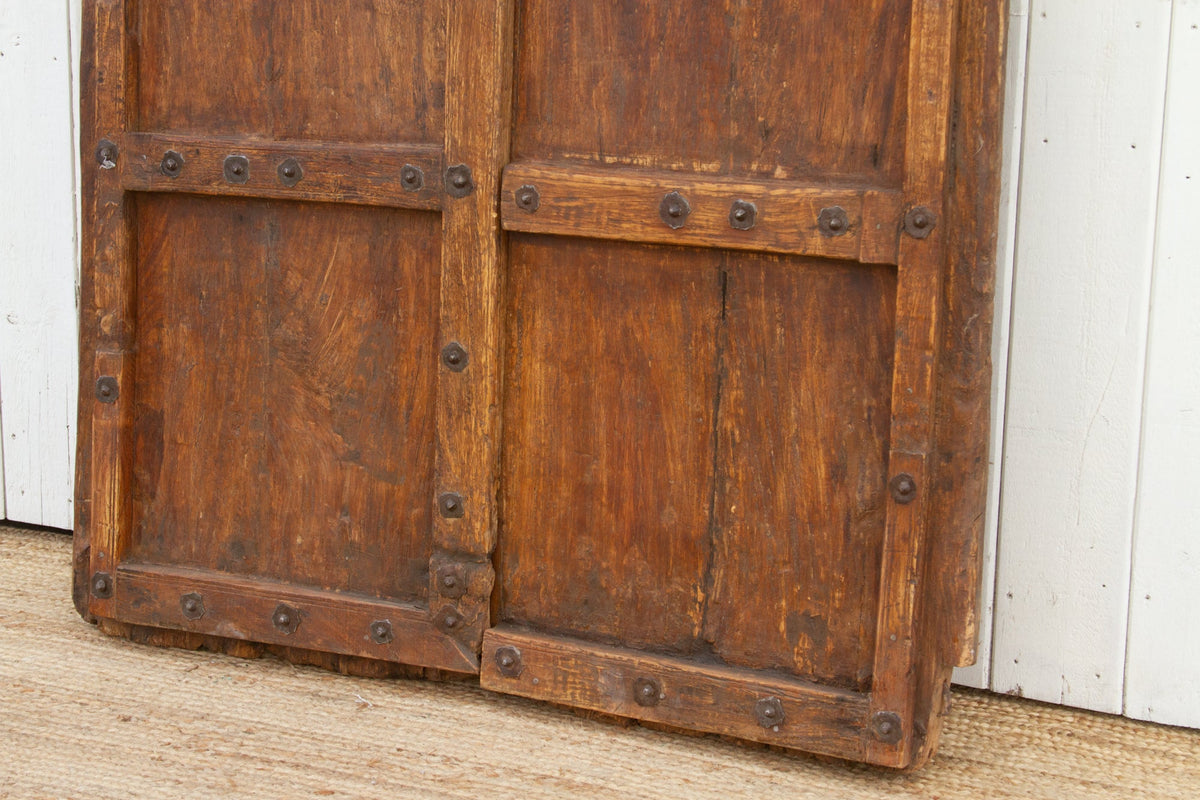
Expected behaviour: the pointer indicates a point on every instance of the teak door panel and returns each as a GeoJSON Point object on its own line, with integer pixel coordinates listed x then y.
{"type": "Point", "coordinates": [285, 242]}
{"type": "Point", "coordinates": [632, 356]}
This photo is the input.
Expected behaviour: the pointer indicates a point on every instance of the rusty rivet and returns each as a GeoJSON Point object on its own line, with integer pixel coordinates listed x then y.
{"type": "Point", "coordinates": [769, 712]}
{"type": "Point", "coordinates": [192, 605]}
{"type": "Point", "coordinates": [459, 182]}
{"type": "Point", "coordinates": [647, 691]}
{"type": "Point", "coordinates": [412, 178]}
{"type": "Point", "coordinates": [833, 221]}
{"type": "Point", "coordinates": [919, 222]}
{"type": "Point", "coordinates": [448, 619]}
{"type": "Point", "coordinates": [904, 488]}
{"type": "Point", "coordinates": [290, 172]}
{"type": "Point", "coordinates": [286, 618]}
{"type": "Point", "coordinates": [450, 581]}
{"type": "Point", "coordinates": [106, 154]}
{"type": "Point", "coordinates": [455, 357]}
{"type": "Point", "coordinates": [102, 585]}
{"type": "Point", "coordinates": [381, 631]}
{"type": "Point", "coordinates": [107, 389]}
{"type": "Point", "coordinates": [743, 215]}
{"type": "Point", "coordinates": [887, 727]}
{"type": "Point", "coordinates": [237, 169]}
{"type": "Point", "coordinates": [674, 210]}
{"type": "Point", "coordinates": [172, 164]}
{"type": "Point", "coordinates": [450, 505]}
{"type": "Point", "coordinates": [528, 198]}
{"type": "Point", "coordinates": [508, 661]}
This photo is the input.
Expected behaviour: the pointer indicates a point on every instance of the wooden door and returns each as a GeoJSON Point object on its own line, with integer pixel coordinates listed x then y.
{"type": "Point", "coordinates": [657, 387]}
{"type": "Point", "coordinates": [289, 322]}
{"type": "Point", "coordinates": [729, 229]}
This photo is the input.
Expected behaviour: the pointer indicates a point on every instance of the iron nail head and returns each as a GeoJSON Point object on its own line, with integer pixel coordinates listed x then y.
{"type": "Point", "coordinates": [172, 164]}
{"type": "Point", "coordinates": [674, 210]}
{"type": "Point", "coordinates": [508, 661]}
{"type": "Point", "coordinates": [528, 198]}
{"type": "Point", "coordinates": [743, 215]}
{"type": "Point", "coordinates": [412, 178]}
{"type": "Point", "coordinates": [107, 389]}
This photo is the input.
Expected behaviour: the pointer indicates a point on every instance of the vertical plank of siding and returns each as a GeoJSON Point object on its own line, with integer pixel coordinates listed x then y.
{"type": "Point", "coordinates": [1163, 659]}
{"type": "Point", "coordinates": [1014, 114]}
{"type": "Point", "coordinates": [1093, 130]}
{"type": "Point", "coordinates": [37, 261]}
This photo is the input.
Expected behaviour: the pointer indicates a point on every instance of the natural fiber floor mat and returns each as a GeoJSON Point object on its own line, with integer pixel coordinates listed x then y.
{"type": "Point", "coordinates": [83, 715]}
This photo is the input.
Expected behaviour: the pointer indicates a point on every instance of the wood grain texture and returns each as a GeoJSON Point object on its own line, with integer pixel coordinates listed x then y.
{"type": "Point", "coordinates": [696, 697]}
{"type": "Point", "coordinates": [800, 464]}
{"type": "Point", "coordinates": [106, 316]}
{"type": "Point", "coordinates": [284, 421]}
{"type": "Point", "coordinates": [331, 172]}
{"type": "Point", "coordinates": [478, 87]}
{"type": "Point", "coordinates": [277, 74]}
{"type": "Point", "coordinates": [680, 86]}
{"type": "Point", "coordinates": [608, 427]}
{"type": "Point", "coordinates": [918, 307]}
{"type": "Point", "coordinates": [620, 203]}
{"type": "Point", "coordinates": [244, 608]}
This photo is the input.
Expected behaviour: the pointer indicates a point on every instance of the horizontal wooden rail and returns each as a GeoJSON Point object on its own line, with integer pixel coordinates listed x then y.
{"type": "Point", "coordinates": [676, 691]}
{"type": "Point", "coordinates": [236, 607]}
{"type": "Point", "coordinates": [404, 176]}
{"type": "Point", "coordinates": [821, 220]}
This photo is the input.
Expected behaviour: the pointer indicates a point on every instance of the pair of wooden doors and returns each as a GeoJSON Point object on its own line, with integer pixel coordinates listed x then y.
{"type": "Point", "coordinates": [633, 356]}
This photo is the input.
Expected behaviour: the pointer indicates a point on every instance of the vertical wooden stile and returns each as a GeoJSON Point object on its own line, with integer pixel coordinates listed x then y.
{"type": "Point", "coordinates": [478, 86]}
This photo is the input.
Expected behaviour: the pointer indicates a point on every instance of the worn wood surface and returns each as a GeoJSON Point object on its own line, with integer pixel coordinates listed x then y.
{"type": "Point", "coordinates": [650, 443]}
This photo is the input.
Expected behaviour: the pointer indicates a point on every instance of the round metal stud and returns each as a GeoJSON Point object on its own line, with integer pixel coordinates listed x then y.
{"type": "Point", "coordinates": [508, 661]}
{"type": "Point", "coordinates": [743, 215]}
{"type": "Point", "coordinates": [833, 221]}
{"type": "Point", "coordinates": [381, 631]}
{"type": "Point", "coordinates": [290, 172]}
{"type": "Point", "coordinates": [674, 210]}
{"type": "Point", "coordinates": [286, 619]}
{"type": "Point", "coordinates": [448, 620]}
{"type": "Point", "coordinates": [450, 504]}
{"type": "Point", "coordinates": [451, 582]}
{"type": "Point", "coordinates": [192, 605]}
{"type": "Point", "coordinates": [904, 488]}
{"type": "Point", "coordinates": [528, 198]}
{"type": "Point", "coordinates": [412, 178]}
{"type": "Point", "coordinates": [236, 169]}
{"type": "Point", "coordinates": [647, 691]}
{"type": "Point", "coordinates": [459, 182]}
{"type": "Point", "coordinates": [106, 154]}
{"type": "Point", "coordinates": [919, 222]}
{"type": "Point", "coordinates": [455, 357]}
{"type": "Point", "coordinates": [102, 585]}
{"type": "Point", "coordinates": [887, 727]}
{"type": "Point", "coordinates": [172, 164]}
{"type": "Point", "coordinates": [107, 389]}
{"type": "Point", "coordinates": [769, 712]}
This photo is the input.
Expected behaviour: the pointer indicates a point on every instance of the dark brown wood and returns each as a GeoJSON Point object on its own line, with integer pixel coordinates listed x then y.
{"type": "Point", "coordinates": [525, 406]}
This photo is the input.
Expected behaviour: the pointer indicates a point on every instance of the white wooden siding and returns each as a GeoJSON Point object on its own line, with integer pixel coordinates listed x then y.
{"type": "Point", "coordinates": [38, 319]}
{"type": "Point", "coordinates": [1093, 524]}
{"type": "Point", "coordinates": [1162, 675]}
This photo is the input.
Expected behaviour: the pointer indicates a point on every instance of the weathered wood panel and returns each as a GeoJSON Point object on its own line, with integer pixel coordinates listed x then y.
{"type": "Point", "coordinates": [801, 464]}
{"type": "Point", "coordinates": [681, 87]}
{"type": "Point", "coordinates": [1162, 668]}
{"type": "Point", "coordinates": [608, 439]}
{"type": "Point", "coordinates": [269, 68]}
{"type": "Point", "coordinates": [284, 419]}
{"type": "Point", "coordinates": [1089, 184]}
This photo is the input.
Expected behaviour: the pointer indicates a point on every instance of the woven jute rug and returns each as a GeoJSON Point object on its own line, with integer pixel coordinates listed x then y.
{"type": "Point", "coordinates": [83, 715]}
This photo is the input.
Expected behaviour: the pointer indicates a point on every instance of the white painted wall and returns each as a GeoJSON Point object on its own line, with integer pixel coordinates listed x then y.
{"type": "Point", "coordinates": [1094, 527]}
